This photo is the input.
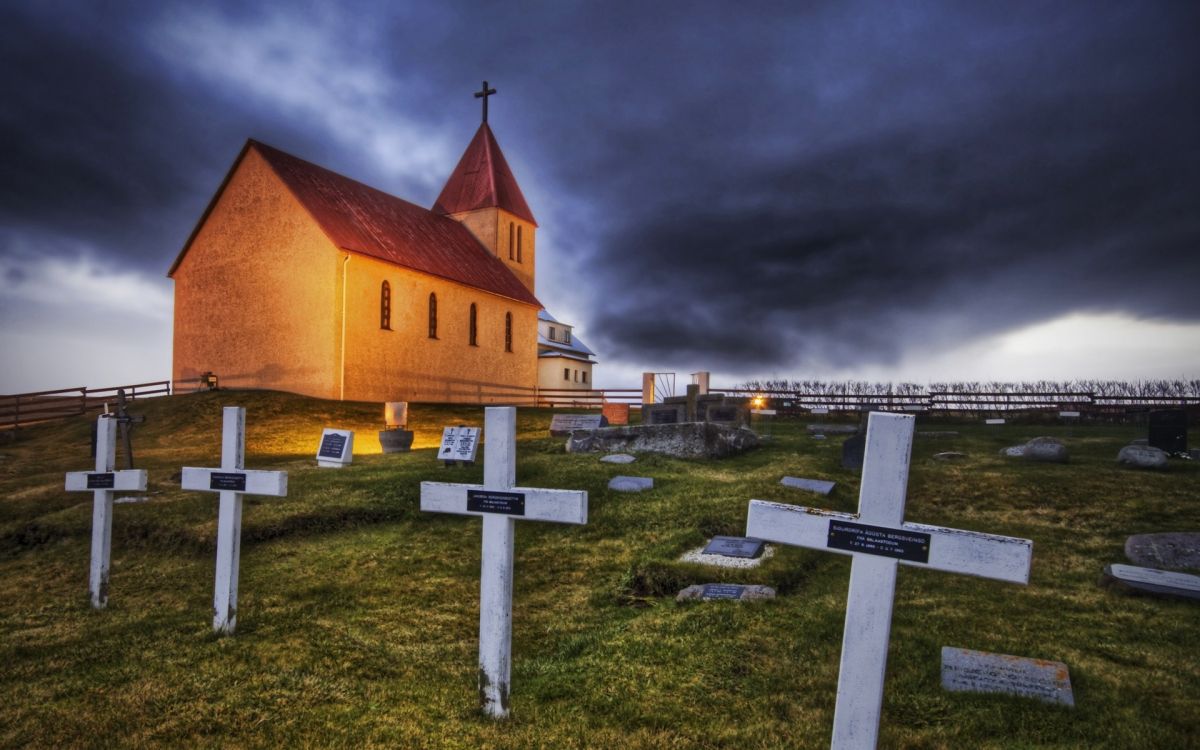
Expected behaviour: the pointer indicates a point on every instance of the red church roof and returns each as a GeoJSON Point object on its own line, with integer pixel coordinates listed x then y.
{"type": "Point", "coordinates": [358, 218]}
{"type": "Point", "coordinates": [482, 179]}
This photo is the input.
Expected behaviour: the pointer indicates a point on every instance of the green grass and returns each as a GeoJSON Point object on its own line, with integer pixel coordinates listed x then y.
{"type": "Point", "coordinates": [358, 614]}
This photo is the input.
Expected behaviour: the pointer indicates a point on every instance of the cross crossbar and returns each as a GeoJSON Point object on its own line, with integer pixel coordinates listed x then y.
{"type": "Point", "coordinates": [558, 506]}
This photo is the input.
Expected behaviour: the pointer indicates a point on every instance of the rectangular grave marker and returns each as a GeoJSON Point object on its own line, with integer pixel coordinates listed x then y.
{"type": "Point", "coordinates": [103, 483]}
{"type": "Point", "coordinates": [819, 486]}
{"type": "Point", "coordinates": [722, 591]}
{"type": "Point", "coordinates": [993, 421]}
{"type": "Point", "coordinates": [873, 571]}
{"type": "Point", "coordinates": [663, 413]}
{"type": "Point", "coordinates": [1153, 581]}
{"type": "Point", "coordinates": [734, 546]}
{"type": "Point", "coordinates": [496, 501]}
{"type": "Point", "coordinates": [232, 481]}
{"type": "Point", "coordinates": [336, 448]}
{"type": "Point", "coordinates": [459, 444]}
{"type": "Point", "coordinates": [964, 670]}
{"type": "Point", "coordinates": [561, 425]}
{"type": "Point", "coordinates": [1068, 415]}
{"type": "Point", "coordinates": [818, 410]}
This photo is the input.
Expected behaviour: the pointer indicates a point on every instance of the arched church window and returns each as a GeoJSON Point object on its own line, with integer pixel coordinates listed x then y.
{"type": "Point", "coordinates": [508, 332]}
{"type": "Point", "coordinates": [432, 315]}
{"type": "Point", "coordinates": [385, 306]}
{"type": "Point", "coordinates": [510, 240]}
{"type": "Point", "coordinates": [519, 244]}
{"type": "Point", "coordinates": [473, 328]}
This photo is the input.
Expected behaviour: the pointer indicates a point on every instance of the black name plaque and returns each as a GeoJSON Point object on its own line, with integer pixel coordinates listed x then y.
{"type": "Point", "coordinates": [879, 540]}
{"type": "Point", "coordinates": [227, 480]}
{"type": "Point", "coordinates": [493, 501]}
{"type": "Point", "coordinates": [722, 591]}
{"type": "Point", "coordinates": [332, 446]}
{"type": "Point", "coordinates": [103, 481]}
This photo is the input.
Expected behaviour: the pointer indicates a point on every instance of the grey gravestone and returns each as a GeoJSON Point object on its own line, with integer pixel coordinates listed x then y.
{"type": "Point", "coordinates": [964, 670]}
{"type": "Point", "coordinates": [663, 413]}
{"type": "Point", "coordinates": [734, 546]}
{"type": "Point", "coordinates": [1172, 549]}
{"type": "Point", "coordinates": [1142, 457]}
{"type": "Point", "coordinates": [618, 458]}
{"type": "Point", "coordinates": [686, 440]}
{"type": "Point", "coordinates": [1151, 581]}
{"type": "Point", "coordinates": [561, 425]}
{"type": "Point", "coordinates": [1168, 430]}
{"type": "Point", "coordinates": [733, 591]}
{"type": "Point", "coordinates": [819, 486]}
{"type": "Point", "coordinates": [630, 484]}
{"type": "Point", "coordinates": [853, 450]}
{"type": "Point", "coordinates": [395, 441]}
{"type": "Point", "coordinates": [1044, 449]}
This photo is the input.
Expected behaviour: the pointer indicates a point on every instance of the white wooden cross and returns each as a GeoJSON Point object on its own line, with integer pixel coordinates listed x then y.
{"type": "Point", "coordinates": [103, 483]}
{"type": "Point", "coordinates": [878, 538]}
{"type": "Point", "coordinates": [501, 505]}
{"type": "Point", "coordinates": [232, 480]}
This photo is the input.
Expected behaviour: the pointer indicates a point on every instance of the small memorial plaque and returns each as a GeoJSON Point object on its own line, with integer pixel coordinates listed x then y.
{"type": "Point", "coordinates": [103, 481]}
{"type": "Point", "coordinates": [561, 425]}
{"type": "Point", "coordinates": [663, 413]}
{"type": "Point", "coordinates": [494, 501]}
{"type": "Point", "coordinates": [983, 672]}
{"type": "Point", "coordinates": [332, 445]}
{"type": "Point", "coordinates": [725, 413]}
{"type": "Point", "coordinates": [877, 540]}
{"type": "Point", "coordinates": [1069, 414]}
{"type": "Point", "coordinates": [734, 546]}
{"type": "Point", "coordinates": [819, 486]}
{"type": "Point", "coordinates": [993, 421]}
{"type": "Point", "coordinates": [459, 444]}
{"type": "Point", "coordinates": [227, 480]}
{"type": "Point", "coordinates": [722, 591]}
{"type": "Point", "coordinates": [1153, 581]}
{"type": "Point", "coordinates": [818, 410]}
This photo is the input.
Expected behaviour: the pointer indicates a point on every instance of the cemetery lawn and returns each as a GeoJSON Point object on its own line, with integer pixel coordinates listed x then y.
{"type": "Point", "coordinates": [357, 622]}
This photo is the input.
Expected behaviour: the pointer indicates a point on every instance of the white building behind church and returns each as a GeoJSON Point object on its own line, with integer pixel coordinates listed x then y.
{"type": "Point", "coordinates": [564, 362]}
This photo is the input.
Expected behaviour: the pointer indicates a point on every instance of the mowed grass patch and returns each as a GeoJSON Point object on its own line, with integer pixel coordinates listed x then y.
{"type": "Point", "coordinates": [358, 614]}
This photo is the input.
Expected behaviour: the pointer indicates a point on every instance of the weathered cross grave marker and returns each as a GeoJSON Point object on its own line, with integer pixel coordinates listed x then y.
{"type": "Point", "coordinates": [878, 538]}
{"type": "Point", "coordinates": [103, 483]}
{"type": "Point", "coordinates": [232, 480]}
{"type": "Point", "coordinates": [500, 504]}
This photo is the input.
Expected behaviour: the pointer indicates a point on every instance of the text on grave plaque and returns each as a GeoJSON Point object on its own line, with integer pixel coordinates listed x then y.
{"type": "Point", "coordinates": [102, 481]}
{"type": "Point", "coordinates": [879, 540]}
{"type": "Point", "coordinates": [227, 480]}
{"type": "Point", "coordinates": [332, 445]}
{"type": "Point", "coordinates": [493, 501]}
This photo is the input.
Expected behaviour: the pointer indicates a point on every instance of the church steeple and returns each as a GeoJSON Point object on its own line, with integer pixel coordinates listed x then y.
{"type": "Point", "coordinates": [483, 194]}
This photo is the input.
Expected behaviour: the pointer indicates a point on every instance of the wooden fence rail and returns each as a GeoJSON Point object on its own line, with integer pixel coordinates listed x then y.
{"type": "Point", "coordinates": [23, 409]}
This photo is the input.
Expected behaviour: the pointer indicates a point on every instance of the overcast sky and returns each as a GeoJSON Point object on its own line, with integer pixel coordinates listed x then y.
{"type": "Point", "coordinates": [922, 191]}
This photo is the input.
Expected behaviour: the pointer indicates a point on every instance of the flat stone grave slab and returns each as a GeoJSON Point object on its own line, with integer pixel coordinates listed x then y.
{"type": "Point", "coordinates": [964, 670]}
{"type": "Point", "coordinates": [1068, 415]}
{"type": "Point", "coordinates": [818, 436]}
{"type": "Point", "coordinates": [734, 546]}
{"type": "Point", "coordinates": [618, 458]}
{"type": "Point", "coordinates": [630, 484]}
{"type": "Point", "coordinates": [993, 421]}
{"type": "Point", "coordinates": [1172, 549]}
{"type": "Point", "coordinates": [733, 591]}
{"type": "Point", "coordinates": [1151, 581]}
{"type": "Point", "coordinates": [561, 425]}
{"type": "Point", "coordinates": [698, 556]}
{"type": "Point", "coordinates": [949, 456]}
{"type": "Point", "coordinates": [833, 429]}
{"type": "Point", "coordinates": [819, 486]}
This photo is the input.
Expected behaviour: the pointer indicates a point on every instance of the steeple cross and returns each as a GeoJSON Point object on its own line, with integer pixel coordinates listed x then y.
{"type": "Point", "coordinates": [484, 95]}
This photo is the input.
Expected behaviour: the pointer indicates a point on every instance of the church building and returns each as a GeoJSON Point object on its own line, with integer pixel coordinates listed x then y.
{"type": "Point", "coordinates": [297, 278]}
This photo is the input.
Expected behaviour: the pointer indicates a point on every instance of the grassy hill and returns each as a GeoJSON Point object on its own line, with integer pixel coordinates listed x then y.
{"type": "Point", "coordinates": [358, 614]}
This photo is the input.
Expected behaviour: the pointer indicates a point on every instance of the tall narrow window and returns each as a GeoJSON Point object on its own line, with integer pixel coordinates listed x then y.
{"type": "Point", "coordinates": [566, 373]}
{"type": "Point", "coordinates": [519, 243]}
{"type": "Point", "coordinates": [385, 306]}
{"type": "Point", "coordinates": [553, 333]}
{"type": "Point", "coordinates": [432, 315]}
{"type": "Point", "coordinates": [584, 375]}
{"type": "Point", "coordinates": [473, 327]}
{"type": "Point", "coordinates": [508, 332]}
{"type": "Point", "coordinates": [511, 243]}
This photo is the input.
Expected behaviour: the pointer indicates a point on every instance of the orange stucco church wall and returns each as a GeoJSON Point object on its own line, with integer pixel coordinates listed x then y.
{"type": "Point", "coordinates": [255, 293]}
{"type": "Point", "coordinates": [259, 301]}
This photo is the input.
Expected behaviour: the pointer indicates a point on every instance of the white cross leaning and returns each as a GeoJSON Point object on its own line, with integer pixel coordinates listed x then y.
{"type": "Point", "coordinates": [103, 483]}
{"type": "Point", "coordinates": [501, 505]}
{"type": "Point", "coordinates": [878, 538]}
{"type": "Point", "coordinates": [232, 480]}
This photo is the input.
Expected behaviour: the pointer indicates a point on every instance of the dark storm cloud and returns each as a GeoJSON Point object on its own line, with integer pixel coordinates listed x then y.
{"type": "Point", "coordinates": [740, 188]}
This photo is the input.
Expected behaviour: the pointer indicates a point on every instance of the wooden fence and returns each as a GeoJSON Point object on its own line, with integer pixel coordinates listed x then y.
{"type": "Point", "coordinates": [21, 409]}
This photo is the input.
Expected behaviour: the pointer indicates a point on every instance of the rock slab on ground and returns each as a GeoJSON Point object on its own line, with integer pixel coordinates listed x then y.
{"type": "Point", "coordinates": [681, 440]}
{"type": "Point", "coordinates": [819, 486]}
{"type": "Point", "coordinates": [1043, 449]}
{"type": "Point", "coordinates": [618, 458]}
{"type": "Point", "coordinates": [735, 591]}
{"type": "Point", "coordinates": [965, 670]}
{"type": "Point", "coordinates": [1142, 457]}
{"type": "Point", "coordinates": [833, 429]}
{"type": "Point", "coordinates": [630, 484]}
{"type": "Point", "coordinates": [1152, 581]}
{"type": "Point", "coordinates": [949, 456]}
{"type": "Point", "coordinates": [1171, 549]}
